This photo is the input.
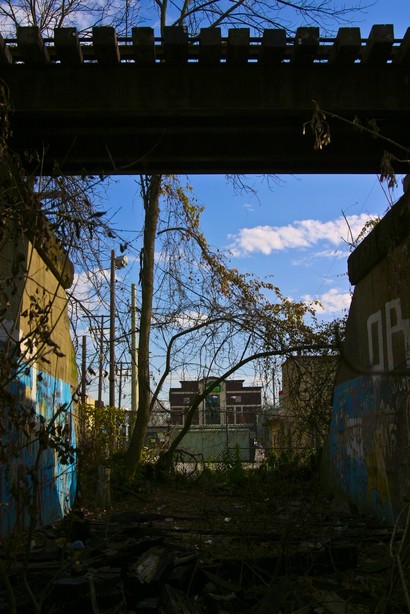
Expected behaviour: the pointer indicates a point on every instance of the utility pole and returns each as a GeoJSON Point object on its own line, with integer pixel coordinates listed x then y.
{"type": "Point", "coordinates": [116, 263]}
{"type": "Point", "coordinates": [120, 387]}
{"type": "Point", "coordinates": [111, 401]}
{"type": "Point", "coordinates": [101, 364]}
{"type": "Point", "coordinates": [84, 370]}
{"type": "Point", "coordinates": [134, 353]}
{"type": "Point", "coordinates": [273, 388]}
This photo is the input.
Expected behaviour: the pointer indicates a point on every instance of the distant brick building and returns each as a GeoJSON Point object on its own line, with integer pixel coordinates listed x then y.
{"type": "Point", "coordinates": [229, 403]}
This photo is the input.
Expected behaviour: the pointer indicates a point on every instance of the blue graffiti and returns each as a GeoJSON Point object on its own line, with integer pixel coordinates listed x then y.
{"type": "Point", "coordinates": [366, 442]}
{"type": "Point", "coordinates": [40, 400]}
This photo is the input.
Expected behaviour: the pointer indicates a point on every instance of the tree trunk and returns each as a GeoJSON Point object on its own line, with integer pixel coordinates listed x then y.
{"type": "Point", "coordinates": [166, 458]}
{"type": "Point", "coordinates": [151, 204]}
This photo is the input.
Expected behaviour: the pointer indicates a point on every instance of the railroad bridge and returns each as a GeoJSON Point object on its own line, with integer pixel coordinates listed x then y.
{"type": "Point", "coordinates": [239, 104]}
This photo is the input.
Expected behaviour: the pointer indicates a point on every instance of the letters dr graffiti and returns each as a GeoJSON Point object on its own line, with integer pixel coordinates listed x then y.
{"type": "Point", "coordinates": [388, 335]}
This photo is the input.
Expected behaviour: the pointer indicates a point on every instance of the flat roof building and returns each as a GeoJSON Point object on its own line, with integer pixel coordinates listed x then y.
{"type": "Point", "coordinates": [230, 402]}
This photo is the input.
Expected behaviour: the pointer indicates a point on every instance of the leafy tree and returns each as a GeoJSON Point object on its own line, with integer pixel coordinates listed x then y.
{"type": "Point", "coordinates": [193, 15]}
{"type": "Point", "coordinates": [209, 317]}
{"type": "Point", "coordinates": [229, 302]}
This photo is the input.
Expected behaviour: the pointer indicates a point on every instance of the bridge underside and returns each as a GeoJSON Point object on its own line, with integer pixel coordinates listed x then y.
{"type": "Point", "coordinates": [192, 117]}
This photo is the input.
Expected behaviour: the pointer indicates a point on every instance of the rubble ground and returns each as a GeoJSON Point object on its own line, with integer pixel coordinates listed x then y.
{"type": "Point", "coordinates": [272, 545]}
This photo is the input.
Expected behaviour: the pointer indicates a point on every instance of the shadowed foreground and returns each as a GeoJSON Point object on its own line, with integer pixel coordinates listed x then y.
{"type": "Point", "coordinates": [276, 544]}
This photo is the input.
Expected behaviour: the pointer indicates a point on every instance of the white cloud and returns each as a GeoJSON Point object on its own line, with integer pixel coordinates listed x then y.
{"type": "Point", "coordinates": [301, 234]}
{"type": "Point", "coordinates": [307, 259]}
{"type": "Point", "coordinates": [88, 286]}
{"type": "Point", "coordinates": [332, 301]}
{"type": "Point", "coordinates": [191, 318]}
{"type": "Point", "coordinates": [339, 254]}
{"type": "Point", "coordinates": [248, 207]}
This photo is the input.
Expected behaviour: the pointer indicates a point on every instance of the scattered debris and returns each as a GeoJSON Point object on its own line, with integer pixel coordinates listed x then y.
{"type": "Point", "coordinates": [215, 550]}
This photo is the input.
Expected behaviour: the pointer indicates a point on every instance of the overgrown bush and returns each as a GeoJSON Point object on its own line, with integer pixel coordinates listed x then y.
{"type": "Point", "coordinates": [102, 441]}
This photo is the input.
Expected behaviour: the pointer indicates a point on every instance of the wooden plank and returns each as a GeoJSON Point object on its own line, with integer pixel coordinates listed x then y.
{"type": "Point", "coordinates": [105, 45]}
{"type": "Point", "coordinates": [346, 48]}
{"type": "Point", "coordinates": [5, 53]}
{"type": "Point", "coordinates": [273, 46]}
{"type": "Point", "coordinates": [238, 46]}
{"type": "Point", "coordinates": [143, 41]}
{"type": "Point", "coordinates": [175, 44]}
{"type": "Point", "coordinates": [31, 45]}
{"type": "Point", "coordinates": [306, 45]}
{"type": "Point", "coordinates": [68, 46]}
{"type": "Point", "coordinates": [210, 45]}
{"type": "Point", "coordinates": [379, 44]}
{"type": "Point", "coordinates": [403, 52]}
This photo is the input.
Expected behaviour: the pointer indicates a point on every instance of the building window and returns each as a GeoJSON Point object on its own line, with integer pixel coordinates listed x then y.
{"type": "Point", "coordinates": [212, 412]}
{"type": "Point", "coordinates": [239, 419]}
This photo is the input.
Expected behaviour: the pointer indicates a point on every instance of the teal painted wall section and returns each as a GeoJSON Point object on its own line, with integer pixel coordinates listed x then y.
{"type": "Point", "coordinates": [39, 397]}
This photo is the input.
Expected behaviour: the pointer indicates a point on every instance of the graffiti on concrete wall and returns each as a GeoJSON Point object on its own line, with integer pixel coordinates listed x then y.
{"type": "Point", "coordinates": [368, 447]}
{"type": "Point", "coordinates": [369, 438]}
{"type": "Point", "coordinates": [369, 432]}
{"type": "Point", "coordinates": [39, 398]}
{"type": "Point", "coordinates": [36, 405]}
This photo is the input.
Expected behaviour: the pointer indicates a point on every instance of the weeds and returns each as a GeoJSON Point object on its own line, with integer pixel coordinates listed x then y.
{"type": "Point", "coordinates": [231, 467]}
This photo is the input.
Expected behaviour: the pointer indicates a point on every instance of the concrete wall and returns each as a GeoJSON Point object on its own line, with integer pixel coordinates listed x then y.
{"type": "Point", "coordinates": [367, 456]}
{"type": "Point", "coordinates": [39, 370]}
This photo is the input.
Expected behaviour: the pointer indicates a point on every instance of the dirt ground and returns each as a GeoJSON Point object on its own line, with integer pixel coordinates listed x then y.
{"type": "Point", "coordinates": [278, 545]}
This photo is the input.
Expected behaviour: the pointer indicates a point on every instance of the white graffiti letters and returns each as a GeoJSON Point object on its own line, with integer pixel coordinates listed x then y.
{"type": "Point", "coordinates": [396, 335]}
{"type": "Point", "coordinates": [375, 340]}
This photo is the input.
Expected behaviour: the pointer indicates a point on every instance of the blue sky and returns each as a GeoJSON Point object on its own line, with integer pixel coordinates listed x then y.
{"type": "Point", "coordinates": [293, 229]}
